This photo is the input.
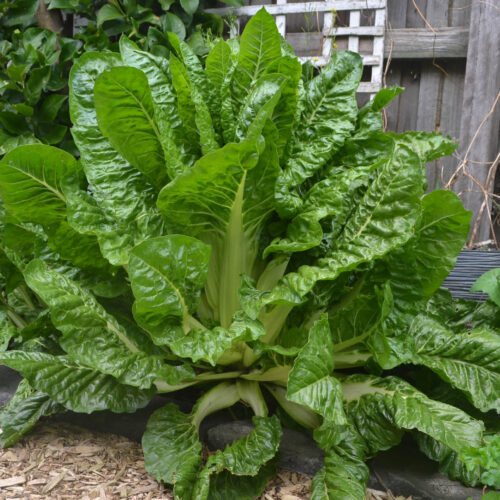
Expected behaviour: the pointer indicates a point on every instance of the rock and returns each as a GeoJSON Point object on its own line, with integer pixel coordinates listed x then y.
{"type": "Point", "coordinates": [9, 380]}
{"type": "Point", "coordinates": [298, 452]}
{"type": "Point", "coordinates": [405, 470]}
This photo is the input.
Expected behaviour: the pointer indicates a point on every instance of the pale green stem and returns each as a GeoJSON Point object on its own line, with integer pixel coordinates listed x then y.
{"type": "Point", "coordinates": [221, 396]}
{"type": "Point", "coordinates": [251, 394]}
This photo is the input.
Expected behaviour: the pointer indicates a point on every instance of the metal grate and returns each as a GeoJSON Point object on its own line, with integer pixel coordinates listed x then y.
{"type": "Point", "coordinates": [357, 25]}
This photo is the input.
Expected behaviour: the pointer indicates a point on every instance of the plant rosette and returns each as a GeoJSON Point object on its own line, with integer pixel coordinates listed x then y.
{"type": "Point", "coordinates": [242, 227]}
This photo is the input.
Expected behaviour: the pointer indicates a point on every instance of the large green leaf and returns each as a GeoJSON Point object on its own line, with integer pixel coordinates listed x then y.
{"type": "Point", "coordinates": [380, 408]}
{"type": "Point", "coordinates": [126, 116]}
{"type": "Point", "coordinates": [469, 360]}
{"type": "Point", "coordinates": [328, 117]}
{"type": "Point", "coordinates": [169, 123]}
{"type": "Point", "coordinates": [310, 382]}
{"type": "Point", "coordinates": [23, 411]}
{"type": "Point", "coordinates": [172, 451]}
{"type": "Point", "coordinates": [76, 387]}
{"type": "Point", "coordinates": [489, 283]}
{"type": "Point", "coordinates": [226, 486]}
{"type": "Point", "coordinates": [31, 183]}
{"type": "Point", "coordinates": [167, 274]}
{"type": "Point", "coordinates": [243, 457]}
{"type": "Point", "coordinates": [344, 474]}
{"type": "Point", "coordinates": [259, 47]}
{"type": "Point", "coordinates": [331, 197]}
{"type": "Point", "coordinates": [122, 193]}
{"type": "Point", "coordinates": [93, 337]}
{"type": "Point", "coordinates": [449, 462]}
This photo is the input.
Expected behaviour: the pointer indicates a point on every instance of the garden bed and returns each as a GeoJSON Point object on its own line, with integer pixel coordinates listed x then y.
{"type": "Point", "coordinates": [63, 461]}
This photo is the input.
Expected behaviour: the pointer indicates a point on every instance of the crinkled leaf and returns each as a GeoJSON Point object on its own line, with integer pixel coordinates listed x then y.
{"type": "Point", "coordinates": [121, 191]}
{"type": "Point", "coordinates": [384, 219]}
{"type": "Point", "coordinates": [380, 408]}
{"type": "Point", "coordinates": [469, 360]}
{"type": "Point", "coordinates": [23, 411]}
{"type": "Point", "coordinates": [167, 274]}
{"type": "Point", "coordinates": [328, 117]}
{"type": "Point", "coordinates": [76, 387]}
{"type": "Point", "coordinates": [126, 116]}
{"type": "Point", "coordinates": [92, 336]}
{"type": "Point", "coordinates": [310, 382]}
{"type": "Point", "coordinates": [259, 47]}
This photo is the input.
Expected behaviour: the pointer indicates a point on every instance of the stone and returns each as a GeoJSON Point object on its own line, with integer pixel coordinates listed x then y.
{"type": "Point", "coordinates": [9, 380]}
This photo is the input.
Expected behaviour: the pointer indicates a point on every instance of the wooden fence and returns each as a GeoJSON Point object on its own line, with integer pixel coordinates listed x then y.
{"type": "Point", "coordinates": [446, 53]}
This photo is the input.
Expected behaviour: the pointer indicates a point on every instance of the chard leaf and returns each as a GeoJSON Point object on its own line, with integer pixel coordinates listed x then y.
{"type": "Point", "coordinates": [93, 337]}
{"type": "Point", "coordinates": [126, 116]}
{"type": "Point", "coordinates": [310, 382]}
{"type": "Point", "coordinates": [469, 361]}
{"type": "Point", "coordinates": [167, 274]}
{"type": "Point", "coordinates": [260, 47]}
{"type": "Point", "coordinates": [284, 112]}
{"type": "Point", "coordinates": [384, 220]}
{"type": "Point", "coordinates": [77, 388]}
{"type": "Point", "coordinates": [226, 486]}
{"type": "Point", "coordinates": [329, 197]}
{"type": "Point", "coordinates": [121, 191]}
{"type": "Point", "coordinates": [329, 113]}
{"type": "Point", "coordinates": [441, 234]}
{"type": "Point", "coordinates": [224, 201]}
{"type": "Point", "coordinates": [344, 474]}
{"type": "Point", "coordinates": [32, 182]}
{"type": "Point", "coordinates": [157, 71]}
{"type": "Point", "coordinates": [449, 462]}
{"type": "Point", "coordinates": [380, 408]}
{"type": "Point", "coordinates": [489, 283]}
{"type": "Point", "coordinates": [196, 75]}
{"type": "Point", "coordinates": [259, 106]}
{"type": "Point", "coordinates": [243, 457]}
{"type": "Point", "coordinates": [219, 68]}
{"type": "Point", "coordinates": [23, 411]}
{"type": "Point", "coordinates": [172, 451]}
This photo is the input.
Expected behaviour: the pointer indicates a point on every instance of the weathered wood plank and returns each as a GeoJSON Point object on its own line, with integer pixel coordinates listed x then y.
{"type": "Point", "coordinates": [479, 138]}
{"type": "Point", "coordinates": [431, 88]}
{"type": "Point", "coordinates": [297, 8]}
{"type": "Point", "coordinates": [422, 43]}
{"type": "Point", "coordinates": [408, 100]}
{"type": "Point", "coordinates": [459, 13]}
{"type": "Point", "coordinates": [396, 13]}
{"type": "Point", "coordinates": [451, 114]}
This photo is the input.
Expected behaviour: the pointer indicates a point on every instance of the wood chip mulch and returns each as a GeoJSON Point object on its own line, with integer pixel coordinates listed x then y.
{"type": "Point", "coordinates": [62, 461]}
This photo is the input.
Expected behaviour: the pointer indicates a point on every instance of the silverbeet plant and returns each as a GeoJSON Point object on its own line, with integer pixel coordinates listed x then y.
{"type": "Point", "coordinates": [241, 228]}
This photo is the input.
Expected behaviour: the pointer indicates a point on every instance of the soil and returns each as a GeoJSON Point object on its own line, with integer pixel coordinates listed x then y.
{"type": "Point", "coordinates": [60, 461]}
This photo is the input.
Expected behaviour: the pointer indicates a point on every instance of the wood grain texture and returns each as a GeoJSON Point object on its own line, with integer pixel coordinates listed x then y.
{"type": "Point", "coordinates": [482, 84]}
{"type": "Point", "coordinates": [422, 43]}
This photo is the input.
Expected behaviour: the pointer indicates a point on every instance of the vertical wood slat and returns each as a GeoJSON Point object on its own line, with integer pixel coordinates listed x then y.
{"type": "Point", "coordinates": [431, 88]}
{"type": "Point", "coordinates": [281, 20]}
{"type": "Point", "coordinates": [482, 83]}
{"type": "Point", "coordinates": [378, 48]}
{"type": "Point", "coordinates": [354, 21]}
{"type": "Point", "coordinates": [327, 47]}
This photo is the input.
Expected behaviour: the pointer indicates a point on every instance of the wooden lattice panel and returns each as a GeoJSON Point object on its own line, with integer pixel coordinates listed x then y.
{"type": "Point", "coordinates": [357, 25]}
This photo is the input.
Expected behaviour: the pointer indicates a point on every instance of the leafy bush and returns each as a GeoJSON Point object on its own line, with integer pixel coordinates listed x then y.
{"type": "Point", "coordinates": [243, 229]}
{"type": "Point", "coordinates": [35, 61]}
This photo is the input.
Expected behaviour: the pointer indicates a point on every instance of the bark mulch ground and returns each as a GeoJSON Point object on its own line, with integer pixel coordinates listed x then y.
{"type": "Point", "coordinates": [61, 461]}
